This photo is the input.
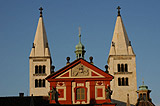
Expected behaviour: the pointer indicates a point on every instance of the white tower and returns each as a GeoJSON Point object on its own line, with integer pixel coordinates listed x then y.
{"type": "Point", "coordinates": [40, 61]}
{"type": "Point", "coordinates": [122, 65]}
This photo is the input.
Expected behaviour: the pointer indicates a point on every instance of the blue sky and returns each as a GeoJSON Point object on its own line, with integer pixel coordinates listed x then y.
{"type": "Point", "coordinates": [18, 23]}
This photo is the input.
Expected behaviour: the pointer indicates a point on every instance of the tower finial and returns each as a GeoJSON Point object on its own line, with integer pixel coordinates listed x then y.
{"type": "Point", "coordinates": [80, 34]}
{"type": "Point", "coordinates": [143, 81]}
{"type": "Point", "coordinates": [79, 30]}
{"type": "Point", "coordinates": [40, 11]}
{"type": "Point", "coordinates": [119, 10]}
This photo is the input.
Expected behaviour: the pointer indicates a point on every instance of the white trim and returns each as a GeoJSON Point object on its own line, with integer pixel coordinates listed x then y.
{"type": "Point", "coordinates": [88, 92]}
{"type": "Point", "coordinates": [73, 93]}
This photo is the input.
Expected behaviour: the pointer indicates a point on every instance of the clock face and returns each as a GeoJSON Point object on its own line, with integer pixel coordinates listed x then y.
{"type": "Point", "coordinates": [80, 70]}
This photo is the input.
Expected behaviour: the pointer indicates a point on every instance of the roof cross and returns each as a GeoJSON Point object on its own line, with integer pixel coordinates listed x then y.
{"type": "Point", "coordinates": [40, 11]}
{"type": "Point", "coordinates": [119, 10]}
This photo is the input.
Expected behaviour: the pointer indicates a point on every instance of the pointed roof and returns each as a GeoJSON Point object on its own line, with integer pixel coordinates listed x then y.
{"type": "Point", "coordinates": [120, 41]}
{"type": "Point", "coordinates": [40, 41]}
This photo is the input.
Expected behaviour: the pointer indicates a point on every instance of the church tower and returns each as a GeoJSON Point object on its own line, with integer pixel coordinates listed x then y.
{"type": "Point", "coordinates": [40, 61]}
{"type": "Point", "coordinates": [122, 65]}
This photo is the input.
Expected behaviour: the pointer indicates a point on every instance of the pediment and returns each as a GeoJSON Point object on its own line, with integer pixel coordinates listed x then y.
{"type": "Point", "coordinates": [79, 68]}
{"type": "Point", "coordinates": [80, 71]}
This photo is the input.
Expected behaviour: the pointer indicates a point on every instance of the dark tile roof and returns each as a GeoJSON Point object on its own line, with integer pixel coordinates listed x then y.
{"type": "Point", "coordinates": [24, 101]}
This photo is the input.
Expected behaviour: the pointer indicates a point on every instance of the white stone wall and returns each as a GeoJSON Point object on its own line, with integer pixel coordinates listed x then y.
{"type": "Point", "coordinates": [39, 91]}
{"type": "Point", "coordinates": [120, 92]}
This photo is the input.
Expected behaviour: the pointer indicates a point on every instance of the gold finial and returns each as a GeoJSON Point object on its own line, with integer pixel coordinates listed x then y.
{"type": "Point", "coordinates": [143, 81]}
{"type": "Point", "coordinates": [119, 10]}
{"type": "Point", "coordinates": [40, 11]}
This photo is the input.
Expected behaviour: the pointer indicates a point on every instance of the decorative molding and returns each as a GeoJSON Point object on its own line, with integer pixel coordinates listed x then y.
{"type": "Point", "coordinates": [123, 72]}
{"type": "Point", "coordinates": [40, 74]}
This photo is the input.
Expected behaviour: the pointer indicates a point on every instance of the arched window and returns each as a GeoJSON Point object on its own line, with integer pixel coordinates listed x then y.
{"type": "Point", "coordinates": [119, 69]}
{"type": "Point", "coordinates": [140, 97]}
{"type": "Point", "coordinates": [123, 82]}
{"type": "Point", "coordinates": [36, 83]}
{"type": "Point", "coordinates": [122, 68]}
{"type": "Point", "coordinates": [119, 82]}
{"type": "Point", "coordinates": [126, 68]}
{"type": "Point", "coordinates": [126, 81]}
{"type": "Point", "coordinates": [80, 94]}
{"type": "Point", "coordinates": [43, 82]}
{"type": "Point", "coordinates": [36, 69]}
{"type": "Point", "coordinates": [144, 97]}
{"type": "Point", "coordinates": [40, 69]}
{"type": "Point", "coordinates": [44, 68]}
{"type": "Point", "coordinates": [40, 82]}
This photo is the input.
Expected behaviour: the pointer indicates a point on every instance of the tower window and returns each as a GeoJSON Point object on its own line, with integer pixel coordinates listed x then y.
{"type": "Point", "coordinates": [43, 82]}
{"type": "Point", "coordinates": [144, 97]}
{"type": "Point", "coordinates": [40, 69]}
{"type": "Point", "coordinates": [44, 68]}
{"type": "Point", "coordinates": [122, 68]}
{"type": "Point", "coordinates": [140, 97]}
{"type": "Point", "coordinates": [126, 81]}
{"type": "Point", "coordinates": [123, 82]}
{"type": "Point", "coordinates": [36, 69]}
{"type": "Point", "coordinates": [36, 83]}
{"type": "Point", "coordinates": [119, 81]}
{"type": "Point", "coordinates": [126, 68]}
{"type": "Point", "coordinates": [40, 83]}
{"type": "Point", "coordinates": [119, 69]}
{"type": "Point", "coordinates": [80, 93]}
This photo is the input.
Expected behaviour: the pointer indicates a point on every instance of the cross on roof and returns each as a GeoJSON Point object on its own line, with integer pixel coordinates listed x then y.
{"type": "Point", "coordinates": [40, 11]}
{"type": "Point", "coordinates": [119, 10]}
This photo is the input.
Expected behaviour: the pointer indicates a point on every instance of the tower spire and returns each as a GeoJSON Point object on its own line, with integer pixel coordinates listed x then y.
{"type": "Point", "coordinates": [80, 47]}
{"type": "Point", "coordinates": [120, 41]}
{"type": "Point", "coordinates": [40, 43]}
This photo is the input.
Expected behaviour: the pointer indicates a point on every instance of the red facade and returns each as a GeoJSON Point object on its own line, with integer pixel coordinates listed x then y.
{"type": "Point", "coordinates": [80, 82]}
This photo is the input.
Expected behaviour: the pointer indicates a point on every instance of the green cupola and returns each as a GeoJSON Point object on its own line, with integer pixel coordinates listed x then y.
{"type": "Point", "coordinates": [80, 48]}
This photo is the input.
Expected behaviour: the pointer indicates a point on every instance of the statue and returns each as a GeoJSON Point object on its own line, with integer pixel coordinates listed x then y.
{"type": "Point", "coordinates": [108, 92]}
{"type": "Point", "coordinates": [53, 93]}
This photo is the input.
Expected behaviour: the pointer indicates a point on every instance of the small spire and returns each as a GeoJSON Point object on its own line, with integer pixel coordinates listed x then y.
{"type": "Point", "coordinates": [119, 10]}
{"type": "Point", "coordinates": [80, 47]}
{"type": "Point", "coordinates": [40, 11]}
{"type": "Point", "coordinates": [128, 103]}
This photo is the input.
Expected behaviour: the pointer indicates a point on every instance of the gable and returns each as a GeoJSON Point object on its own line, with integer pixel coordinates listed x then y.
{"type": "Point", "coordinates": [79, 69]}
